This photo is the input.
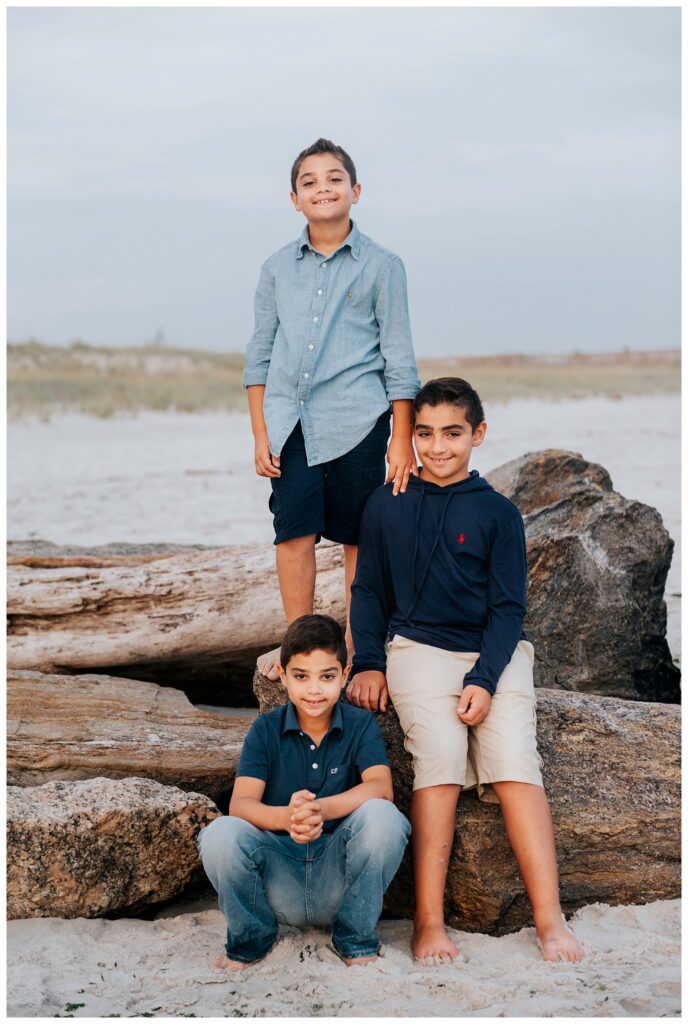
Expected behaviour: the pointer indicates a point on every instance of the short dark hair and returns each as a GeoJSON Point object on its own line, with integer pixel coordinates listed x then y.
{"type": "Point", "coordinates": [323, 146]}
{"type": "Point", "coordinates": [451, 391]}
{"type": "Point", "coordinates": [313, 633]}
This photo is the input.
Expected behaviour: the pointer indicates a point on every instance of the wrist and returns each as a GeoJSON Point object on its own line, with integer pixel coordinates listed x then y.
{"type": "Point", "coordinates": [324, 808]}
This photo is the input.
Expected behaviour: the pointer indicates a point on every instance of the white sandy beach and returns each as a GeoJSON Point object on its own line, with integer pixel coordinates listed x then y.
{"type": "Point", "coordinates": [129, 967]}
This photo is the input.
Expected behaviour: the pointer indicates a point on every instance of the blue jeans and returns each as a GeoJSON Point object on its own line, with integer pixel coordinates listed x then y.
{"type": "Point", "coordinates": [264, 880]}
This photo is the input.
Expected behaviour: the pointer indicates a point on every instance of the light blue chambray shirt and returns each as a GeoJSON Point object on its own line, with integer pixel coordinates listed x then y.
{"type": "Point", "coordinates": [332, 343]}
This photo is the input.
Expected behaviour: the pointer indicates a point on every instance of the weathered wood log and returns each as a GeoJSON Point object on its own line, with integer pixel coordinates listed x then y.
{"type": "Point", "coordinates": [612, 775]}
{"type": "Point", "coordinates": [85, 849]}
{"type": "Point", "coordinates": [597, 569]}
{"type": "Point", "coordinates": [83, 727]}
{"type": "Point", "coordinates": [207, 606]}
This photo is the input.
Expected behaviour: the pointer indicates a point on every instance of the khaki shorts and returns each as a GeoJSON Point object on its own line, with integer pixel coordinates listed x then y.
{"type": "Point", "coordinates": [425, 683]}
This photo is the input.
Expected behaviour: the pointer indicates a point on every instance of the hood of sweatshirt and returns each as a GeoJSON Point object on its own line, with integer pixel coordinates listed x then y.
{"type": "Point", "coordinates": [433, 492]}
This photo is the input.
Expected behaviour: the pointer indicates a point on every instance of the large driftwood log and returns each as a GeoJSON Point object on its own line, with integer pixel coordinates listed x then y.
{"type": "Point", "coordinates": [207, 606]}
{"type": "Point", "coordinates": [85, 849]}
{"type": "Point", "coordinates": [612, 775]}
{"type": "Point", "coordinates": [597, 569]}
{"type": "Point", "coordinates": [82, 727]}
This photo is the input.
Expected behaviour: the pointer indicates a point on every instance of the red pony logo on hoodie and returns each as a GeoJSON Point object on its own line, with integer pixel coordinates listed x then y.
{"type": "Point", "coordinates": [461, 538]}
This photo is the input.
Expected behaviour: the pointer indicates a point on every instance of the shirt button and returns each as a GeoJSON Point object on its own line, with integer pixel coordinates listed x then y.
{"type": "Point", "coordinates": [302, 404]}
{"type": "Point", "coordinates": [312, 746]}
{"type": "Point", "coordinates": [315, 766]}
{"type": "Point", "coordinates": [323, 264]}
{"type": "Point", "coordinates": [305, 375]}
{"type": "Point", "coordinates": [310, 347]}
{"type": "Point", "coordinates": [319, 291]}
{"type": "Point", "coordinates": [315, 319]}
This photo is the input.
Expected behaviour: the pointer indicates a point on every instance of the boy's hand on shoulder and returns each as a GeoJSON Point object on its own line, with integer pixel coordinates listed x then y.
{"type": "Point", "coordinates": [368, 690]}
{"type": "Point", "coordinates": [474, 704]}
{"type": "Point", "coordinates": [306, 819]}
{"type": "Point", "coordinates": [402, 463]}
{"type": "Point", "coordinates": [266, 464]}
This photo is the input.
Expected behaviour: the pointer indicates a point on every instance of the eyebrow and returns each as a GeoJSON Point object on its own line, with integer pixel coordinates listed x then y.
{"type": "Point", "coordinates": [311, 174]}
{"type": "Point", "coordinates": [452, 426]}
{"type": "Point", "coordinates": [330, 669]}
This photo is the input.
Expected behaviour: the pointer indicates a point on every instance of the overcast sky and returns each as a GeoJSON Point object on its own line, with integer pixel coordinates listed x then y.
{"type": "Point", "coordinates": [524, 163]}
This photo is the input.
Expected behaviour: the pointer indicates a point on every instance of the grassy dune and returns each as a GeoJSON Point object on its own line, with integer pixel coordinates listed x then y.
{"type": "Point", "coordinates": [45, 379]}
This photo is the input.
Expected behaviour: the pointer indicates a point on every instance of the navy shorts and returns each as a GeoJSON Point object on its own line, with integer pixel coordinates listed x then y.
{"type": "Point", "coordinates": [327, 499]}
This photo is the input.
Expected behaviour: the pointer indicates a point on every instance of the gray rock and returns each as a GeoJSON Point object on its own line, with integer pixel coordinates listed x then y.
{"type": "Point", "coordinates": [86, 849]}
{"type": "Point", "coordinates": [597, 568]}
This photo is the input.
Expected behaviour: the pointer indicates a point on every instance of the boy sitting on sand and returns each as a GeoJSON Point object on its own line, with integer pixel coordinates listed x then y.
{"type": "Point", "coordinates": [442, 578]}
{"type": "Point", "coordinates": [313, 838]}
{"type": "Point", "coordinates": [331, 352]}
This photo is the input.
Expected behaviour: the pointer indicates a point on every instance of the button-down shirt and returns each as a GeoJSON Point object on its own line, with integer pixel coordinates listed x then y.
{"type": "Point", "coordinates": [332, 343]}
{"type": "Point", "coordinates": [277, 751]}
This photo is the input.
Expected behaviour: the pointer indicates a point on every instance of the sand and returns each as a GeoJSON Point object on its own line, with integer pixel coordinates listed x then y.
{"type": "Point", "coordinates": [130, 967]}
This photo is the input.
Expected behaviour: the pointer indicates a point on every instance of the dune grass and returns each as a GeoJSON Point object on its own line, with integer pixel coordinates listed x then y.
{"type": "Point", "coordinates": [44, 380]}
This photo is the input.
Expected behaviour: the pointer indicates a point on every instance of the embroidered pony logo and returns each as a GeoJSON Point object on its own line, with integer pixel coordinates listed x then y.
{"type": "Point", "coordinates": [461, 538]}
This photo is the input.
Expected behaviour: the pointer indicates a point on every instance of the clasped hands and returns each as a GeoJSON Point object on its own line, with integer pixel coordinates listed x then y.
{"type": "Point", "coordinates": [305, 817]}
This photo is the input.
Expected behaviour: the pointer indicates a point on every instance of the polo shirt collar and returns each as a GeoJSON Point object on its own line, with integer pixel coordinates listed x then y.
{"type": "Point", "coordinates": [353, 240]}
{"type": "Point", "coordinates": [290, 722]}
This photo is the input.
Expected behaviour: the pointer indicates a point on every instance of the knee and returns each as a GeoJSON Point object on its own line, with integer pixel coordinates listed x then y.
{"type": "Point", "coordinates": [382, 825]}
{"type": "Point", "coordinates": [224, 839]}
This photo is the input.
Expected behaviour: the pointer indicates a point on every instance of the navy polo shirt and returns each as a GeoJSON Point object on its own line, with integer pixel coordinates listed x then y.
{"type": "Point", "coordinates": [286, 759]}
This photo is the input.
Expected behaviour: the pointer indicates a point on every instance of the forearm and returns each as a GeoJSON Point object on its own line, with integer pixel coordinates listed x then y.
{"type": "Point", "coordinates": [344, 803]}
{"type": "Point", "coordinates": [270, 819]}
{"type": "Point", "coordinates": [256, 394]}
{"type": "Point", "coordinates": [402, 419]}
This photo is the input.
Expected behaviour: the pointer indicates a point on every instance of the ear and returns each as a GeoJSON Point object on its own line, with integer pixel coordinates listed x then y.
{"type": "Point", "coordinates": [479, 434]}
{"type": "Point", "coordinates": [357, 192]}
{"type": "Point", "coordinates": [296, 201]}
{"type": "Point", "coordinates": [282, 675]}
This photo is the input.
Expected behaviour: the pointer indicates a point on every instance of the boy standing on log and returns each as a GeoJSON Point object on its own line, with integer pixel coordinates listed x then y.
{"type": "Point", "coordinates": [437, 614]}
{"type": "Point", "coordinates": [312, 837]}
{"type": "Point", "coordinates": [330, 353]}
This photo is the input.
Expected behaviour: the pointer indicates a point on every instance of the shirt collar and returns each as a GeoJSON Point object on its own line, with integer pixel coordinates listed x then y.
{"type": "Point", "coordinates": [353, 240]}
{"type": "Point", "coordinates": [291, 722]}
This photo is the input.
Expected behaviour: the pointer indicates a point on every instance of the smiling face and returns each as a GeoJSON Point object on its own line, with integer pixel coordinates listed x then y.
{"type": "Point", "coordinates": [313, 682]}
{"type": "Point", "coordinates": [445, 440]}
{"type": "Point", "coordinates": [324, 193]}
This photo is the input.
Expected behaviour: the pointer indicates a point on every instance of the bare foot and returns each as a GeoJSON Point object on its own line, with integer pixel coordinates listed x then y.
{"type": "Point", "coordinates": [267, 664]}
{"type": "Point", "coordinates": [431, 944]}
{"type": "Point", "coordinates": [224, 964]}
{"type": "Point", "coordinates": [354, 961]}
{"type": "Point", "coordinates": [557, 942]}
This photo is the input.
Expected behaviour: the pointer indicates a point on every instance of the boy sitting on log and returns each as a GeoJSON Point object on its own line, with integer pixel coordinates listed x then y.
{"type": "Point", "coordinates": [437, 610]}
{"type": "Point", "coordinates": [312, 837]}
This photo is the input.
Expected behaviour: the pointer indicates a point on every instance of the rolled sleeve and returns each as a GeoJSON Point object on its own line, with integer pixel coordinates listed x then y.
{"type": "Point", "coordinates": [396, 345]}
{"type": "Point", "coordinates": [259, 349]}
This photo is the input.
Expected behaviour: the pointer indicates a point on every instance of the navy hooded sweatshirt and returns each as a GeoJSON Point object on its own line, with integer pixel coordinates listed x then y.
{"type": "Point", "coordinates": [445, 566]}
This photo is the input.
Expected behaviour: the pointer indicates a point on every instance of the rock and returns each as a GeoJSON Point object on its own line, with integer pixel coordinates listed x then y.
{"type": "Point", "coordinates": [82, 727]}
{"type": "Point", "coordinates": [86, 849]}
{"type": "Point", "coordinates": [597, 568]}
{"type": "Point", "coordinates": [612, 775]}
